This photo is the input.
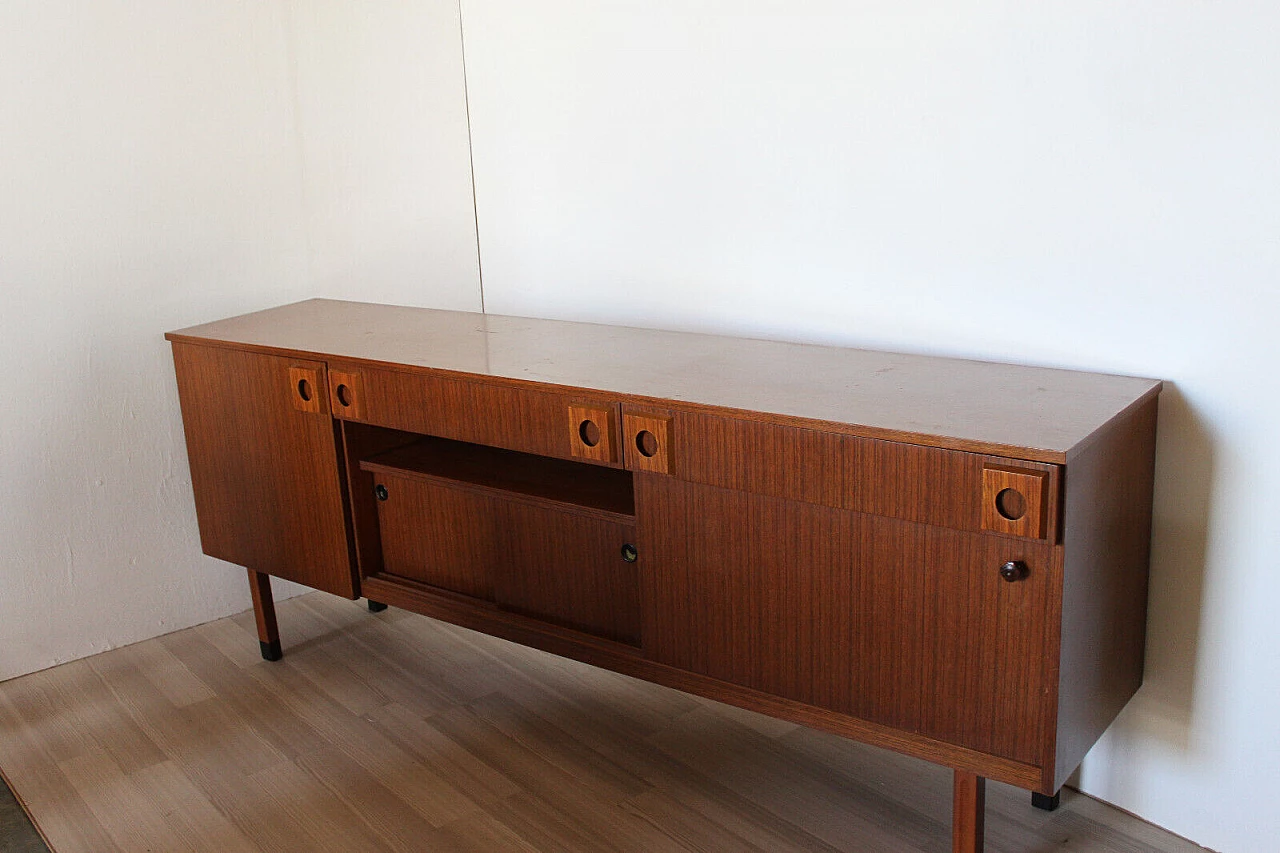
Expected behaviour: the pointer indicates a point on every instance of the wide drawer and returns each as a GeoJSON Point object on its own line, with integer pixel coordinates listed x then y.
{"type": "Point", "coordinates": [565, 426]}
{"type": "Point", "coordinates": [929, 485]}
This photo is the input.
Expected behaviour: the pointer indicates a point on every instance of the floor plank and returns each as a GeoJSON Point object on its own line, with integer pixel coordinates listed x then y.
{"type": "Point", "coordinates": [393, 732]}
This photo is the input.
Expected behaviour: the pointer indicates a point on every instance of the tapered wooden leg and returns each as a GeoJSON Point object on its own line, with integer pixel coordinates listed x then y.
{"type": "Point", "coordinates": [968, 813]}
{"type": "Point", "coordinates": [264, 610]}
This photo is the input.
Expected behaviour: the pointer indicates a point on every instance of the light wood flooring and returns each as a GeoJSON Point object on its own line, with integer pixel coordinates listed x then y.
{"type": "Point", "coordinates": [395, 732]}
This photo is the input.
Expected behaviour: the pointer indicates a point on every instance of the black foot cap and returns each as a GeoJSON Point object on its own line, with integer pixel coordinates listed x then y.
{"type": "Point", "coordinates": [376, 606]}
{"type": "Point", "coordinates": [271, 651]}
{"type": "Point", "coordinates": [1049, 804]}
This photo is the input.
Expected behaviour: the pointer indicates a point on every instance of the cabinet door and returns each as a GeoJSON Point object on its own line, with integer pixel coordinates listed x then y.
{"type": "Point", "coordinates": [569, 569]}
{"type": "Point", "coordinates": [894, 622]}
{"type": "Point", "coordinates": [448, 538]}
{"type": "Point", "coordinates": [808, 602]}
{"type": "Point", "coordinates": [531, 557]}
{"type": "Point", "coordinates": [986, 642]}
{"type": "Point", "coordinates": [264, 464]}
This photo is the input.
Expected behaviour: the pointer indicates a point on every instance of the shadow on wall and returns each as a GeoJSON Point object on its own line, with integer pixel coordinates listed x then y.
{"type": "Point", "coordinates": [1179, 538]}
{"type": "Point", "coordinates": [1179, 542]}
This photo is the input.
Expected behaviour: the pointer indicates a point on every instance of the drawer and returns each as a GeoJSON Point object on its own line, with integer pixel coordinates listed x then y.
{"type": "Point", "coordinates": [929, 485]}
{"type": "Point", "coordinates": [524, 419]}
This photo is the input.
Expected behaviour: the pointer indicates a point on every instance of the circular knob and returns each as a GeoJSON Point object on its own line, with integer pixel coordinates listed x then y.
{"type": "Point", "coordinates": [1014, 570]}
{"type": "Point", "coordinates": [380, 491]}
{"type": "Point", "coordinates": [629, 553]}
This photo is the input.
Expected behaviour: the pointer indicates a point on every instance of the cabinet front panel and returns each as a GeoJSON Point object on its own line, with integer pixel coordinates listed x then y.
{"type": "Point", "coordinates": [894, 622]}
{"type": "Point", "coordinates": [562, 566]}
{"type": "Point", "coordinates": [448, 538]}
{"type": "Point", "coordinates": [807, 602]}
{"type": "Point", "coordinates": [264, 465]}
{"type": "Point", "coordinates": [986, 643]}
{"type": "Point", "coordinates": [494, 415]}
{"type": "Point", "coordinates": [904, 481]}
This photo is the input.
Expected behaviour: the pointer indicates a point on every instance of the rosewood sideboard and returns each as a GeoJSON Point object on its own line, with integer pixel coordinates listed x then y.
{"type": "Point", "coordinates": [942, 557]}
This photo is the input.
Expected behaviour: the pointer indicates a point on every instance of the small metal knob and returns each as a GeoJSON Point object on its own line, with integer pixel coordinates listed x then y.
{"type": "Point", "coordinates": [629, 553]}
{"type": "Point", "coordinates": [1014, 570]}
{"type": "Point", "coordinates": [380, 491]}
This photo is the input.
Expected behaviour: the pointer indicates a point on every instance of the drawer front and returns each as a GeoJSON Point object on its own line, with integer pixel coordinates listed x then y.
{"type": "Point", "coordinates": [929, 485]}
{"type": "Point", "coordinates": [903, 624]}
{"type": "Point", "coordinates": [548, 424]}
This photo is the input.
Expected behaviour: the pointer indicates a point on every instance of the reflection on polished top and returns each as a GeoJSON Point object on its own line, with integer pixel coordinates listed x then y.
{"type": "Point", "coordinates": [1035, 413]}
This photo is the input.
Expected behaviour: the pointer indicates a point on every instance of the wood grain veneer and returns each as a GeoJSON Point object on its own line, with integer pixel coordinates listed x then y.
{"type": "Point", "coordinates": [448, 538]}
{"type": "Point", "coordinates": [923, 484]}
{"type": "Point", "coordinates": [1103, 599]}
{"type": "Point", "coordinates": [625, 659]}
{"type": "Point", "coordinates": [902, 624]}
{"type": "Point", "coordinates": [472, 411]}
{"type": "Point", "coordinates": [267, 484]}
{"type": "Point", "coordinates": [1025, 412]}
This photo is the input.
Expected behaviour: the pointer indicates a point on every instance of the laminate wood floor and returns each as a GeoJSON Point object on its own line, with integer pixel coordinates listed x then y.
{"type": "Point", "coordinates": [393, 732]}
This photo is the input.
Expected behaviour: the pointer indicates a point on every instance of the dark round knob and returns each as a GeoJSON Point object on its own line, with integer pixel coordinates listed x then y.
{"type": "Point", "coordinates": [1014, 570]}
{"type": "Point", "coordinates": [629, 553]}
{"type": "Point", "coordinates": [380, 491]}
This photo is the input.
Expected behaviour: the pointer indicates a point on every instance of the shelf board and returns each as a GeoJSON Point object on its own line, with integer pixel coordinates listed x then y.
{"type": "Point", "coordinates": [572, 486]}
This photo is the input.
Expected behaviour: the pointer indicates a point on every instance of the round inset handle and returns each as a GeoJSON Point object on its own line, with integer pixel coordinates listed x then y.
{"type": "Point", "coordinates": [1014, 570]}
{"type": "Point", "coordinates": [380, 492]}
{"type": "Point", "coordinates": [629, 553]}
{"type": "Point", "coordinates": [1011, 504]}
{"type": "Point", "coordinates": [647, 444]}
{"type": "Point", "coordinates": [589, 433]}
{"type": "Point", "coordinates": [343, 394]}
{"type": "Point", "coordinates": [304, 390]}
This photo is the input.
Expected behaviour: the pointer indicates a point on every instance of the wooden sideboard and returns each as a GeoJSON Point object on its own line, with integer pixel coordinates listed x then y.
{"type": "Point", "coordinates": [942, 557]}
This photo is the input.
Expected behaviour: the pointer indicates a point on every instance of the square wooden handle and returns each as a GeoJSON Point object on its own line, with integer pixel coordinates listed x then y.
{"type": "Point", "coordinates": [1015, 500]}
{"type": "Point", "coordinates": [648, 442]}
{"type": "Point", "coordinates": [593, 433]}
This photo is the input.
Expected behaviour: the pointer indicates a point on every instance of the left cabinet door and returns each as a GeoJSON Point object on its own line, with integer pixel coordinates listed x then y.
{"type": "Point", "coordinates": [264, 464]}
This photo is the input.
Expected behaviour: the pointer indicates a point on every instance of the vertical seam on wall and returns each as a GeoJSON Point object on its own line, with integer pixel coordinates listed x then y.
{"type": "Point", "coordinates": [471, 154]}
{"type": "Point", "coordinates": [304, 184]}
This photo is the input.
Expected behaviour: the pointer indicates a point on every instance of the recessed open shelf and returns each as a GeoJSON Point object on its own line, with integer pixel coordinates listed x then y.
{"type": "Point", "coordinates": [574, 486]}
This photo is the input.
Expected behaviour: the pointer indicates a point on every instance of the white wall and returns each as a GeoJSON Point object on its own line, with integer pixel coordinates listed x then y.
{"type": "Point", "coordinates": [168, 163]}
{"type": "Point", "coordinates": [1088, 184]}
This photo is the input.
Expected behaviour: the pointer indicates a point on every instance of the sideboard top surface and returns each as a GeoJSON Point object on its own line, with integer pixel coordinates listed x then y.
{"type": "Point", "coordinates": [1032, 412]}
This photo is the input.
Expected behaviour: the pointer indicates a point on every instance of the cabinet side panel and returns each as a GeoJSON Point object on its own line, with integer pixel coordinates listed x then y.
{"type": "Point", "coordinates": [264, 470]}
{"type": "Point", "coordinates": [1104, 601]}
